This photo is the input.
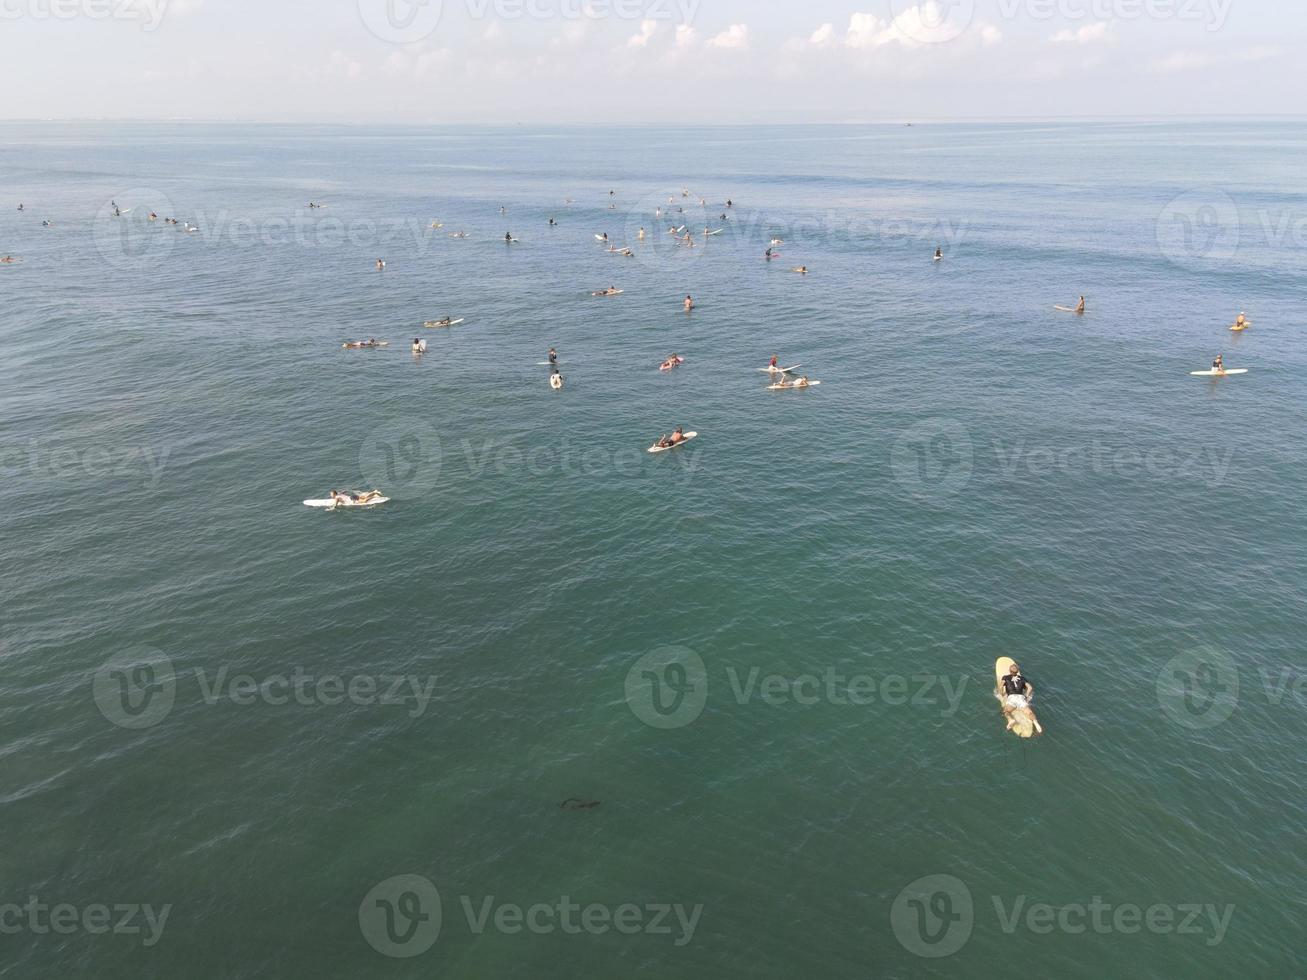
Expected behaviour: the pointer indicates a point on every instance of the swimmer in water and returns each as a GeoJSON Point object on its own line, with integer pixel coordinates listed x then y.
{"type": "Point", "coordinates": [381, 264]}
{"type": "Point", "coordinates": [689, 303]}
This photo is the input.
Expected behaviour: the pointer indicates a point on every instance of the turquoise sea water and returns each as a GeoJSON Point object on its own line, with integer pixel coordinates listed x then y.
{"type": "Point", "coordinates": [977, 476]}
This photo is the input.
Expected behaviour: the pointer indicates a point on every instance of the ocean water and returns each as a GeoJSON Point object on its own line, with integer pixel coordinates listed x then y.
{"type": "Point", "coordinates": [766, 657]}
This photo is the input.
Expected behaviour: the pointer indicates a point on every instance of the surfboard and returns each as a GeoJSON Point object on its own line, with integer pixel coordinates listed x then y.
{"type": "Point", "coordinates": [600, 238]}
{"type": "Point", "coordinates": [1024, 727]}
{"type": "Point", "coordinates": [663, 449]}
{"type": "Point", "coordinates": [333, 505]}
{"type": "Point", "coordinates": [615, 292]}
{"type": "Point", "coordinates": [777, 370]}
{"type": "Point", "coordinates": [1218, 374]}
{"type": "Point", "coordinates": [383, 343]}
{"type": "Point", "coordinates": [548, 363]}
{"type": "Point", "coordinates": [717, 232]}
{"type": "Point", "coordinates": [1066, 309]}
{"type": "Point", "coordinates": [436, 324]}
{"type": "Point", "coordinates": [788, 387]}
{"type": "Point", "coordinates": [1235, 328]}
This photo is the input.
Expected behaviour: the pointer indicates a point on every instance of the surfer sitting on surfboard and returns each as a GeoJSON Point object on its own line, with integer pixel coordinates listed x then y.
{"type": "Point", "coordinates": [1218, 365]}
{"type": "Point", "coordinates": [1017, 694]}
{"type": "Point", "coordinates": [1080, 307]}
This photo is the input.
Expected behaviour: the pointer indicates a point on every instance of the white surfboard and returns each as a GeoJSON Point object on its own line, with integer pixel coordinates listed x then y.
{"type": "Point", "coordinates": [777, 370]}
{"type": "Point", "coordinates": [600, 238]}
{"type": "Point", "coordinates": [1218, 374]}
{"type": "Point", "coordinates": [663, 449]}
{"type": "Point", "coordinates": [333, 505]}
{"type": "Point", "coordinates": [382, 343]}
{"type": "Point", "coordinates": [717, 232]}
{"type": "Point", "coordinates": [549, 363]}
{"type": "Point", "coordinates": [615, 292]}
{"type": "Point", "coordinates": [436, 324]}
{"type": "Point", "coordinates": [1066, 309]}
{"type": "Point", "coordinates": [788, 387]}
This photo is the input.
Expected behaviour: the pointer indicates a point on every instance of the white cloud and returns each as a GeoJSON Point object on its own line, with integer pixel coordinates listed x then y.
{"type": "Point", "coordinates": [914, 27]}
{"type": "Point", "coordinates": [736, 38]}
{"type": "Point", "coordinates": [824, 36]}
{"type": "Point", "coordinates": [868, 31]}
{"type": "Point", "coordinates": [648, 29]}
{"type": "Point", "coordinates": [1088, 34]}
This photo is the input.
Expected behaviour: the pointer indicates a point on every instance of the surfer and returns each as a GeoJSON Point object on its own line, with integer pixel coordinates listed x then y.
{"type": "Point", "coordinates": [1241, 322]}
{"type": "Point", "coordinates": [676, 438]}
{"type": "Point", "coordinates": [672, 362]}
{"type": "Point", "coordinates": [8, 260]}
{"type": "Point", "coordinates": [355, 498]}
{"type": "Point", "coordinates": [1080, 307]}
{"type": "Point", "coordinates": [553, 356]}
{"type": "Point", "coordinates": [774, 364]}
{"type": "Point", "coordinates": [641, 235]}
{"type": "Point", "coordinates": [689, 303]}
{"type": "Point", "coordinates": [802, 382]}
{"type": "Point", "coordinates": [801, 270]}
{"type": "Point", "coordinates": [939, 254]}
{"type": "Point", "coordinates": [381, 264]}
{"type": "Point", "coordinates": [417, 345]}
{"type": "Point", "coordinates": [769, 254]}
{"type": "Point", "coordinates": [553, 223]}
{"type": "Point", "coordinates": [604, 237]}
{"type": "Point", "coordinates": [508, 237]}
{"type": "Point", "coordinates": [1218, 365]}
{"type": "Point", "coordinates": [556, 380]}
{"type": "Point", "coordinates": [610, 291]}
{"type": "Point", "coordinates": [1017, 695]}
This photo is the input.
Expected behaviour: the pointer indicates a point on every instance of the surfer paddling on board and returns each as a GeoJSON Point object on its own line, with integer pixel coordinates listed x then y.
{"type": "Point", "coordinates": [676, 438]}
{"type": "Point", "coordinates": [1017, 694]}
{"type": "Point", "coordinates": [347, 499]}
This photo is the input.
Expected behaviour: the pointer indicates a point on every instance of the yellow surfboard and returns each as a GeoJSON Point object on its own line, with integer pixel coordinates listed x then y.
{"type": "Point", "coordinates": [1022, 722]}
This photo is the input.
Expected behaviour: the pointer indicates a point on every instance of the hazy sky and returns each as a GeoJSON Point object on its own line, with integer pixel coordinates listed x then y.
{"type": "Point", "coordinates": [607, 61]}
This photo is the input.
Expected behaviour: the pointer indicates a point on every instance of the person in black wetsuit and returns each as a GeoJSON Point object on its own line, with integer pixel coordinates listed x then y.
{"type": "Point", "coordinates": [1016, 684]}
